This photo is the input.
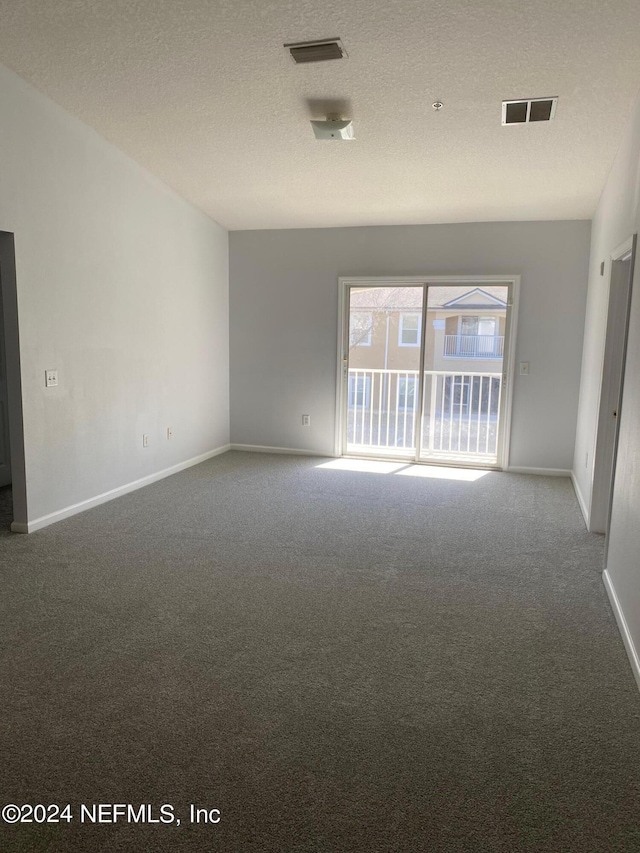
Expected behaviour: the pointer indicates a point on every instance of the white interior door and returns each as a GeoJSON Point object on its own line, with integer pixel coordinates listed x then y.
{"type": "Point", "coordinates": [620, 289]}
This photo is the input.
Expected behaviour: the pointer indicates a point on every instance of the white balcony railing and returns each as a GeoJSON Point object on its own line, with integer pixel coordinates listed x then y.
{"type": "Point", "coordinates": [460, 413]}
{"type": "Point", "coordinates": [474, 346]}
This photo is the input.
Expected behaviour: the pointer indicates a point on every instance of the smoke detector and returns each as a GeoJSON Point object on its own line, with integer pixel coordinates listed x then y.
{"type": "Point", "coordinates": [336, 129]}
{"type": "Point", "coordinates": [528, 110]}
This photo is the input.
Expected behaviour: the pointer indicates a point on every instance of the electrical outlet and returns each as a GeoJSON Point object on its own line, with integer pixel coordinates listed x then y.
{"type": "Point", "coordinates": [145, 440]}
{"type": "Point", "coordinates": [50, 378]}
{"type": "Point", "coordinates": [169, 433]}
{"type": "Point", "coordinates": [524, 368]}
{"type": "Point", "coordinates": [306, 420]}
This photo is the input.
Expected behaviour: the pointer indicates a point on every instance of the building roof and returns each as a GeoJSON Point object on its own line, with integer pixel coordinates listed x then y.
{"type": "Point", "coordinates": [440, 296]}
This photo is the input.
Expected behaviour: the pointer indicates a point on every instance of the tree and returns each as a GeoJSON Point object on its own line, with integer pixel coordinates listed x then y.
{"type": "Point", "coordinates": [362, 319]}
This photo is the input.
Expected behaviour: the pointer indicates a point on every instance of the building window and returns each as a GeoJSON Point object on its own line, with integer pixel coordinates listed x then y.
{"type": "Point", "coordinates": [359, 392]}
{"type": "Point", "coordinates": [409, 333]}
{"type": "Point", "coordinates": [360, 326]}
{"type": "Point", "coordinates": [407, 393]}
{"type": "Point", "coordinates": [477, 325]}
{"type": "Point", "coordinates": [457, 393]}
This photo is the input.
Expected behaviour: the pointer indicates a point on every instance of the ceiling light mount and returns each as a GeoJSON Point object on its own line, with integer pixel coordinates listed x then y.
{"type": "Point", "coordinates": [333, 128]}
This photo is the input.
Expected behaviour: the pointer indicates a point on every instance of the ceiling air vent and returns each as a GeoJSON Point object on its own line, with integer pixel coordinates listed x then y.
{"type": "Point", "coordinates": [528, 110]}
{"type": "Point", "coordinates": [316, 51]}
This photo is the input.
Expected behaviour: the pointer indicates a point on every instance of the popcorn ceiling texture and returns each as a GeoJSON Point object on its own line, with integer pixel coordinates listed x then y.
{"type": "Point", "coordinates": [204, 95]}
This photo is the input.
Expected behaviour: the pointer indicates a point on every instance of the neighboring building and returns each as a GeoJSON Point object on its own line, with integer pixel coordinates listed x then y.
{"type": "Point", "coordinates": [462, 325]}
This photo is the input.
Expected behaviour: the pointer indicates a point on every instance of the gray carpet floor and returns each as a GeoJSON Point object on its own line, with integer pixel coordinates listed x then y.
{"type": "Point", "coordinates": [338, 661]}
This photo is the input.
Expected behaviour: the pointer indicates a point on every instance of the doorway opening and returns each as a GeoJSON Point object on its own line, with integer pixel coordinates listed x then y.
{"type": "Point", "coordinates": [425, 369]}
{"type": "Point", "coordinates": [13, 493]}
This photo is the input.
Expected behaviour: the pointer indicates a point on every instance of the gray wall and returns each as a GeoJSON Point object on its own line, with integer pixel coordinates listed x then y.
{"type": "Point", "coordinates": [284, 307]}
{"type": "Point", "coordinates": [616, 219]}
{"type": "Point", "coordinates": [123, 288]}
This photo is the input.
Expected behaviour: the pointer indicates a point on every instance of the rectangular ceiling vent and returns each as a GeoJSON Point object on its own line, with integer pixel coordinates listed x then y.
{"type": "Point", "coordinates": [316, 51]}
{"type": "Point", "coordinates": [528, 110]}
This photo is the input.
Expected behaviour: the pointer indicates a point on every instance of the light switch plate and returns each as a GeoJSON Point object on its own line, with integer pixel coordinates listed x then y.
{"type": "Point", "coordinates": [50, 378]}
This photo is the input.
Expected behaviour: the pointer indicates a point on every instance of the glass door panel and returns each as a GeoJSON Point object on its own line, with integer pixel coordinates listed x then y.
{"type": "Point", "coordinates": [463, 370]}
{"type": "Point", "coordinates": [383, 370]}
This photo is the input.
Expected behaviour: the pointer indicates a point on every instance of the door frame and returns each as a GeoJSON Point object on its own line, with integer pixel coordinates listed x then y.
{"type": "Point", "coordinates": [508, 362]}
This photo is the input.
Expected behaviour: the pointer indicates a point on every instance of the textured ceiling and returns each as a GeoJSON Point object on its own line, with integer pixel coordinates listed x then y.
{"type": "Point", "coordinates": [202, 93]}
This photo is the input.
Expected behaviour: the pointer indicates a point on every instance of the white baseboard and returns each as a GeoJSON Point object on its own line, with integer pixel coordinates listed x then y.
{"type": "Point", "coordinates": [74, 509]}
{"type": "Point", "coordinates": [291, 451]}
{"type": "Point", "coordinates": [627, 639]}
{"type": "Point", "coordinates": [581, 501]}
{"type": "Point", "coordinates": [541, 472]}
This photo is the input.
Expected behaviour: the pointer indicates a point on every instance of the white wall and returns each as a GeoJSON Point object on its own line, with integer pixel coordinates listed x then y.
{"type": "Point", "coordinates": [616, 219]}
{"type": "Point", "coordinates": [284, 305]}
{"type": "Point", "coordinates": [123, 288]}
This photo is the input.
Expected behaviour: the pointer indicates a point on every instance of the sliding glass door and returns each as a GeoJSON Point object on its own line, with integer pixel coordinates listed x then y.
{"type": "Point", "coordinates": [424, 370]}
